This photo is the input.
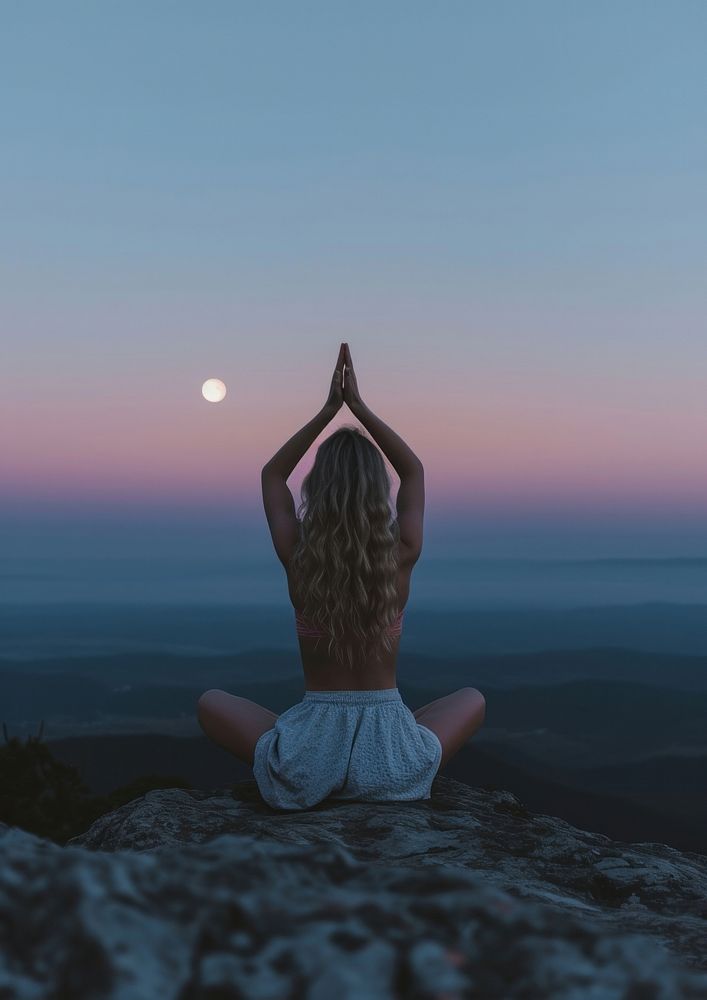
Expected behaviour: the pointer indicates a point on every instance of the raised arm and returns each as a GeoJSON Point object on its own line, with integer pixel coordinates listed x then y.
{"type": "Point", "coordinates": [411, 494]}
{"type": "Point", "coordinates": [400, 455]}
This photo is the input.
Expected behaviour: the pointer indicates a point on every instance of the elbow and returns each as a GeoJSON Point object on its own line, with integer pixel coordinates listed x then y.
{"type": "Point", "coordinates": [269, 469]}
{"type": "Point", "coordinates": [415, 466]}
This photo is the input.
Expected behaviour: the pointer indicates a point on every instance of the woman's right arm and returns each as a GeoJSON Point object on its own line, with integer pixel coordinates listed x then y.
{"type": "Point", "coordinates": [410, 502]}
{"type": "Point", "coordinates": [400, 455]}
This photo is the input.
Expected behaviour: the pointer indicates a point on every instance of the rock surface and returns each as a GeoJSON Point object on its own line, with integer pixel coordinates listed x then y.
{"type": "Point", "coordinates": [212, 894]}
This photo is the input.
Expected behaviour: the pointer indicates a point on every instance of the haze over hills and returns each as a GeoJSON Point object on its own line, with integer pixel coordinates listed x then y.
{"type": "Point", "coordinates": [226, 572]}
{"type": "Point", "coordinates": [612, 738]}
{"type": "Point", "coordinates": [596, 711]}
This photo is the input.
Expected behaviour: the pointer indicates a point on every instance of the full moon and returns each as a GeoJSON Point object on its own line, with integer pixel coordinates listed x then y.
{"type": "Point", "coordinates": [213, 389]}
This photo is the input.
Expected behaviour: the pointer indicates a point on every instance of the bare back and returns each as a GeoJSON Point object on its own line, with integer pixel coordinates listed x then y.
{"type": "Point", "coordinates": [323, 673]}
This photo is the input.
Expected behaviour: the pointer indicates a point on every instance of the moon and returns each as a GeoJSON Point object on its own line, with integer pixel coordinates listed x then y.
{"type": "Point", "coordinates": [213, 390]}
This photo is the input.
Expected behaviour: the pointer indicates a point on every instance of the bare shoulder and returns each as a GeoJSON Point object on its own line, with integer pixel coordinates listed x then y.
{"type": "Point", "coordinates": [409, 548]}
{"type": "Point", "coordinates": [407, 556]}
{"type": "Point", "coordinates": [410, 506]}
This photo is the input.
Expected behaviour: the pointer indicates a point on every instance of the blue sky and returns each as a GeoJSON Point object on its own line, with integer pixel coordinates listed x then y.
{"type": "Point", "coordinates": [500, 206]}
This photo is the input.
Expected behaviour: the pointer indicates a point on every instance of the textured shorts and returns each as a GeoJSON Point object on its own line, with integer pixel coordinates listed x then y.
{"type": "Point", "coordinates": [355, 745]}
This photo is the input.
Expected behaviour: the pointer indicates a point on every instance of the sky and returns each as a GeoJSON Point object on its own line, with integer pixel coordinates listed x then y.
{"type": "Point", "coordinates": [499, 206]}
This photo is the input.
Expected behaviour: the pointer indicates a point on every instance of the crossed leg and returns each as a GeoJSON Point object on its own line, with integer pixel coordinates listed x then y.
{"type": "Point", "coordinates": [233, 722]}
{"type": "Point", "coordinates": [236, 723]}
{"type": "Point", "coordinates": [454, 718]}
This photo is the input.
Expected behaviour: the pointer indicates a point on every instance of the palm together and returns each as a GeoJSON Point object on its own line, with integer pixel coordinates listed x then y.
{"type": "Point", "coordinates": [336, 390]}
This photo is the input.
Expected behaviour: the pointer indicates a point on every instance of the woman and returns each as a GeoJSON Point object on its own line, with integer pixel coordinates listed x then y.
{"type": "Point", "coordinates": [348, 573]}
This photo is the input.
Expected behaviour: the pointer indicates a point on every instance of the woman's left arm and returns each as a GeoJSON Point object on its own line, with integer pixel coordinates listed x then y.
{"type": "Point", "coordinates": [277, 499]}
{"type": "Point", "coordinates": [284, 461]}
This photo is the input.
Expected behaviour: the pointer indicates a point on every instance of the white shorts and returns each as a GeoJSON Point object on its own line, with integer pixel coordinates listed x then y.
{"type": "Point", "coordinates": [355, 745]}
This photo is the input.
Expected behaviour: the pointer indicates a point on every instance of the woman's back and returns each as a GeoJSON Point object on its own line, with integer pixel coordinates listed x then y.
{"type": "Point", "coordinates": [323, 673]}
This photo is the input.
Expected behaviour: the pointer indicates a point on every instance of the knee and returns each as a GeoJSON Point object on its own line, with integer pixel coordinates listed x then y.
{"type": "Point", "coordinates": [478, 701]}
{"type": "Point", "coordinates": [207, 701]}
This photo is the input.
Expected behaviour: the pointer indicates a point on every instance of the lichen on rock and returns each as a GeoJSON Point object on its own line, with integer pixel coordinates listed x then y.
{"type": "Point", "coordinates": [186, 892]}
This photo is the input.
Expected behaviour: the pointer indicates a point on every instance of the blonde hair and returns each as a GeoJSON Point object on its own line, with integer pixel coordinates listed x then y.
{"type": "Point", "coordinates": [345, 564]}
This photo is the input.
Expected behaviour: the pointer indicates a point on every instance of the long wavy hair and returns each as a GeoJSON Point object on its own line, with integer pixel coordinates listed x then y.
{"type": "Point", "coordinates": [345, 564]}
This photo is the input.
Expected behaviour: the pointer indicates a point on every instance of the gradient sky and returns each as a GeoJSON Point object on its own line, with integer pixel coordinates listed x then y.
{"type": "Point", "coordinates": [500, 206]}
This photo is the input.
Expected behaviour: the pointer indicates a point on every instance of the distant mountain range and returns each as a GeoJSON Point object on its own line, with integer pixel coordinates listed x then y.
{"type": "Point", "coordinates": [62, 631]}
{"type": "Point", "coordinates": [612, 739]}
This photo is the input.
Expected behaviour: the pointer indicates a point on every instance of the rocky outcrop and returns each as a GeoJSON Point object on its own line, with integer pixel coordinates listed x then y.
{"type": "Point", "coordinates": [211, 894]}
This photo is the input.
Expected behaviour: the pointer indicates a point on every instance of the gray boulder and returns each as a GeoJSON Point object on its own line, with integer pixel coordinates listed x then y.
{"type": "Point", "coordinates": [212, 894]}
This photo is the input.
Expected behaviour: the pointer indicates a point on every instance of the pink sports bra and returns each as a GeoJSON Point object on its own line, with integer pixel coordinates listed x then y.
{"type": "Point", "coordinates": [303, 627]}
